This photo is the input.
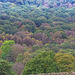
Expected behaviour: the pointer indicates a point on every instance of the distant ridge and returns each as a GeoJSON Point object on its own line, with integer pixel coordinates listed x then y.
{"type": "Point", "coordinates": [46, 3]}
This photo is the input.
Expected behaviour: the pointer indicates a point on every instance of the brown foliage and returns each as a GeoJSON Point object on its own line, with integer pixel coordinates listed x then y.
{"type": "Point", "coordinates": [46, 25]}
{"type": "Point", "coordinates": [15, 50]}
{"type": "Point", "coordinates": [41, 37]}
{"type": "Point", "coordinates": [31, 41]}
{"type": "Point", "coordinates": [18, 67]}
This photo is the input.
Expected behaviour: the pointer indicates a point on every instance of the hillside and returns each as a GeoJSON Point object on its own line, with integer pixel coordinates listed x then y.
{"type": "Point", "coordinates": [37, 37]}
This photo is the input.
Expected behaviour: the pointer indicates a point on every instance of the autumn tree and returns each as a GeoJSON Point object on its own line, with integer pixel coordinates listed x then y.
{"type": "Point", "coordinates": [41, 36]}
{"type": "Point", "coordinates": [64, 62]}
{"type": "Point", "coordinates": [18, 67]}
{"type": "Point", "coordinates": [16, 49]}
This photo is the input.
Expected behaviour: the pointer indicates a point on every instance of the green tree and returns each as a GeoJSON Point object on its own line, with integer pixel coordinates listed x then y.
{"type": "Point", "coordinates": [29, 28]}
{"type": "Point", "coordinates": [5, 48]}
{"type": "Point", "coordinates": [40, 50]}
{"type": "Point", "coordinates": [67, 45]}
{"type": "Point", "coordinates": [69, 51]}
{"type": "Point", "coordinates": [5, 68]}
{"type": "Point", "coordinates": [1, 29]}
{"type": "Point", "coordinates": [64, 35]}
{"type": "Point", "coordinates": [42, 63]}
{"type": "Point", "coordinates": [40, 20]}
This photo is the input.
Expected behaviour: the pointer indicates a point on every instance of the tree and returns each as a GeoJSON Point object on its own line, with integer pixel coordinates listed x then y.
{"type": "Point", "coordinates": [64, 62]}
{"type": "Point", "coordinates": [5, 68]}
{"type": "Point", "coordinates": [67, 45]}
{"type": "Point", "coordinates": [64, 35]}
{"type": "Point", "coordinates": [1, 29]}
{"type": "Point", "coordinates": [0, 52]}
{"type": "Point", "coordinates": [69, 51]}
{"type": "Point", "coordinates": [19, 2]}
{"type": "Point", "coordinates": [18, 67]}
{"type": "Point", "coordinates": [41, 36]}
{"type": "Point", "coordinates": [42, 63]}
{"type": "Point", "coordinates": [29, 28]}
{"type": "Point", "coordinates": [15, 51]}
{"type": "Point", "coordinates": [34, 48]}
{"type": "Point", "coordinates": [40, 20]}
{"type": "Point", "coordinates": [40, 50]}
{"type": "Point", "coordinates": [29, 22]}
{"type": "Point", "coordinates": [1, 42]}
{"type": "Point", "coordinates": [27, 57]}
{"type": "Point", "coordinates": [5, 48]}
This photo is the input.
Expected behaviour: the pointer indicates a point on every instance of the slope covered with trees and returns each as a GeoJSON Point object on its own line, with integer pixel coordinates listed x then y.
{"type": "Point", "coordinates": [37, 38]}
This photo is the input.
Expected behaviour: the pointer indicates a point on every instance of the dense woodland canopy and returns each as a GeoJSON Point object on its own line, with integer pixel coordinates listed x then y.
{"type": "Point", "coordinates": [48, 3]}
{"type": "Point", "coordinates": [37, 37]}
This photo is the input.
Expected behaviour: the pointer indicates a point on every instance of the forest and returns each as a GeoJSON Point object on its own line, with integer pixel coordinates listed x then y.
{"type": "Point", "coordinates": [37, 38]}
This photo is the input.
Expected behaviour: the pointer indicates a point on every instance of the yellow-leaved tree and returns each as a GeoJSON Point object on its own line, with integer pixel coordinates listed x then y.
{"type": "Point", "coordinates": [64, 62]}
